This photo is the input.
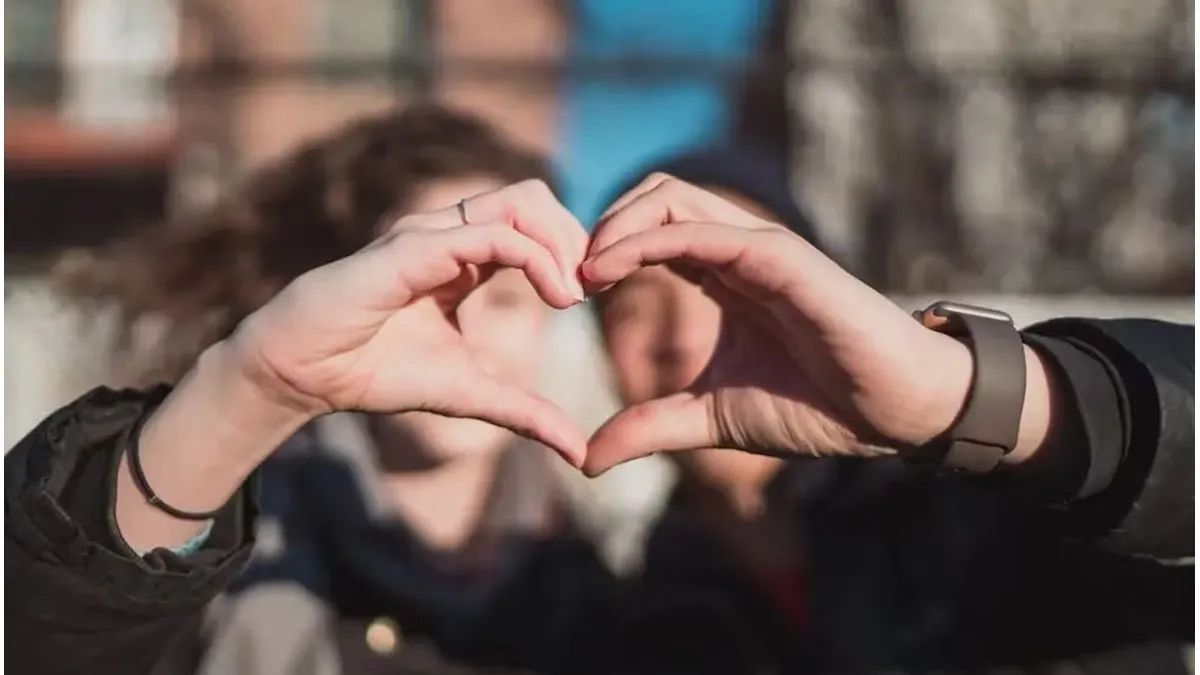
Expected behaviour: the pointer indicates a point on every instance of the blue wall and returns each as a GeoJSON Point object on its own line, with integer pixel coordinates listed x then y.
{"type": "Point", "coordinates": [615, 125]}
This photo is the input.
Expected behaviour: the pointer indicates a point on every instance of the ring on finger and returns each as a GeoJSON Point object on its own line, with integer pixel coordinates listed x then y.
{"type": "Point", "coordinates": [462, 212]}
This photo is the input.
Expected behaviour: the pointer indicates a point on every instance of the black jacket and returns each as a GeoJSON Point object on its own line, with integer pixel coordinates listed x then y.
{"type": "Point", "coordinates": [79, 601]}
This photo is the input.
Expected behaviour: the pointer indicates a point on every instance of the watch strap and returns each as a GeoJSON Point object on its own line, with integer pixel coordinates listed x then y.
{"type": "Point", "coordinates": [987, 428]}
{"type": "Point", "coordinates": [991, 418]}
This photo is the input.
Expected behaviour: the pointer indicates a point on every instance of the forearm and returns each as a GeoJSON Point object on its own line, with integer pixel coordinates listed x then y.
{"type": "Point", "coordinates": [199, 447]}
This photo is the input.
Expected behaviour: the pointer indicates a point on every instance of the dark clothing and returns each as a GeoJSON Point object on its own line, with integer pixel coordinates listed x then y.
{"type": "Point", "coordinates": [927, 572]}
{"type": "Point", "coordinates": [79, 601]}
{"type": "Point", "coordinates": [907, 567]}
{"type": "Point", "coordinates": [757, 173]}
{"type": "Point", "coordinates": [701, 608]}
{"type": "Point", "coordinates": [527, 592]}
{"type": "Point", "coordinates": [1148, 507]}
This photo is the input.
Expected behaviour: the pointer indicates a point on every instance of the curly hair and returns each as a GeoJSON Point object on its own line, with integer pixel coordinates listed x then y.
{"type": "Point", "coordinates": [324, 201]}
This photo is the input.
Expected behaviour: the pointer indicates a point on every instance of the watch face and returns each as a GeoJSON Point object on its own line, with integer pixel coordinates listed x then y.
{"type": "Point", "coordinates": [947, 308]}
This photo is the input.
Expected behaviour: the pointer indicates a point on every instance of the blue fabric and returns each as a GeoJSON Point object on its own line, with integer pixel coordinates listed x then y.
{"type": "Point", "coordinates": [613, 125]}
{"type": "Point", "coordinates": [191, 545]}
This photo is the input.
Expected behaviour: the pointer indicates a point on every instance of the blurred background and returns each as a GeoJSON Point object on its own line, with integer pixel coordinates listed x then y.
{"type": "Point", "coordinates": [1036, 150]}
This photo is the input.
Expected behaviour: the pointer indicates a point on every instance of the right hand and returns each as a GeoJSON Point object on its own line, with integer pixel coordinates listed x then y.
{"type": "Point", "coordinates": [810, 360]}
{"type": "Point", "coordinates": [376, 331]}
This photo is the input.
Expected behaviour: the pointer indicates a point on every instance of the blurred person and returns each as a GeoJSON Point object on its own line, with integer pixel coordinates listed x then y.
{"type": "Point", "coordinates": [386, 541]}
{"type": "Point", "coordinates": [718, 550]}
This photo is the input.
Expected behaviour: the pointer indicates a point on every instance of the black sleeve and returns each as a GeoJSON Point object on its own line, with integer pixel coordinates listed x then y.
{"type": "Point", "coordinates": [78, 600]}
{"type": "Point", "coordinates": [1092, 414]}
{"type": "Point", "coordinates": [1137, 493]}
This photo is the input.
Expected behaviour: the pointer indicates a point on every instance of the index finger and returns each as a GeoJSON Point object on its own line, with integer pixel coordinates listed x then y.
{"type": "Point", "coordinates": [761, 262]}
{"type": "Point", "coordinates": [441, 259]}
{"type": "Point", "coordinates": [529, 207]}
{"type": "Point", "coordinates": [707, 244]}
{"type": "Point", "coordinates": [663, 200]}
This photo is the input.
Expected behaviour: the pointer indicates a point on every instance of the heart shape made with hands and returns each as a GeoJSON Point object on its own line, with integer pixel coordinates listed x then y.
{"type": "Point", "coordinates": [790, 375]}
{"type": "Point", "coordinates": [793, 372]}
{"type": "Point", "coordinates": [612, 253]}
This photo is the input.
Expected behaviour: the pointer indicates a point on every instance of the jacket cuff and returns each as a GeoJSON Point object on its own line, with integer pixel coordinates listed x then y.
{"type": "Point", "coordinates": [61, 476]}
{"type": "Point", "coordinates": [1148, 506]}
{"type": "Point", "coordinates": [1092, 410]}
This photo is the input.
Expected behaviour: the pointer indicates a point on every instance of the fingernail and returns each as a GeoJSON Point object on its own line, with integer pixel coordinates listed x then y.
{"type": "Point", "coordinates": [575, 288]}
{"type": "Point", "coordinates": [584, 267]}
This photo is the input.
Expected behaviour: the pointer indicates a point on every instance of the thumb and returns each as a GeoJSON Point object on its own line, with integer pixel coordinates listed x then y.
{"type": "Point", "coordinates": [523, 413]}
{"type": "Point", "coordinates": [680, 421]}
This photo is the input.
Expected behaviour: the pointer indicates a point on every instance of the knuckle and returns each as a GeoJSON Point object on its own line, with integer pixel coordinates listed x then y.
{"type": "Point", "coordinates": [765, 244]}
{"type": "Point", "coordinates": [535, 188]}
{"type": "Point", "coordinates": [774, 246]}
{"type": "Point", "coordinates": [415, 242]}
{"type": "Point", "coordinates": [400, 239]}
{"type": "Point", "coordinates": [775, 236]}
{"type": "Point", "coordinates": [673, 185]}
{"type": "Point", "coordinates": [306, 285]}
{"type": "Point", "coordinates": [412, 222]}
{"type": "Point", "coordinates": [498, 232]}
{"type": "Point", "coordinates": [670, 185]}
{"type": "Point", "coordinates": [407, 223]}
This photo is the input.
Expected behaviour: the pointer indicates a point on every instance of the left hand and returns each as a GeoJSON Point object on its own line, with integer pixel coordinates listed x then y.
{"type": "Point", "coordinates": [376, 331]}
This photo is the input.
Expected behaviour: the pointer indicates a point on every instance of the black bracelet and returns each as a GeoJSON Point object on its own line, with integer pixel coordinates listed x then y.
{"type": "Point", "coordinates": [139, 477]}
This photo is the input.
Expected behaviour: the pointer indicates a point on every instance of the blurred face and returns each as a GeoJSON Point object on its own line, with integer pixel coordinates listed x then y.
{"type": "Point", "coordinates": [502, 323]}
{"type": "Point", "coordinates": [660, 330]}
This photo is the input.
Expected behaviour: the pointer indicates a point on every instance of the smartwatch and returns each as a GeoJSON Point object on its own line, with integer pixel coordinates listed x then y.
{"type": "Point", "coordinates": [986, 428]}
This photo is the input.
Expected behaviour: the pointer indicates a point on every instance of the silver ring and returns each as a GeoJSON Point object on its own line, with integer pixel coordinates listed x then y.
{"type": "Point", "coordinates": [462, 212]}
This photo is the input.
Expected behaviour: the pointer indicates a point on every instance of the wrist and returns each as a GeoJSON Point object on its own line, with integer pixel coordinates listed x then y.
{"type": "Point", "coordinates": [249, 414]}
{"type": "Point", "coordinates": [198, 448]}
{"type": "Point", "coordinates": [243, 357]}
{"type": "Point", "coordinates": [946, 373]}
{"type": "Point", "coordinates": [219, 423]}
{"type": "Point", "coordinates": [951, 365]}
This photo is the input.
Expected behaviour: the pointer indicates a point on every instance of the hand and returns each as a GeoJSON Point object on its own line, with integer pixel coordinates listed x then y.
{"type": "Point", "coordinates": [810, 360]}
{"type": "Point", "coordinates": [376, 331]}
